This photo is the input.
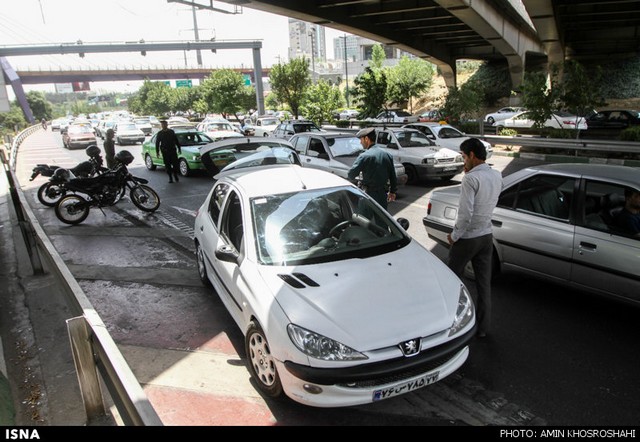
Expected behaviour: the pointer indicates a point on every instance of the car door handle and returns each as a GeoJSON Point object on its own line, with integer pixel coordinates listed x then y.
{"type": "Point", "coordinates": [496, 223]}
{"type": "Point", "coordinates": [588, 245]}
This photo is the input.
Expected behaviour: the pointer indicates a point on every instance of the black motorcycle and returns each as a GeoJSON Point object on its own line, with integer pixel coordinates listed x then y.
{"type": "Point", "coordinates": [50, 192]}
{"type": "Point", "coordinates": [105, 190]}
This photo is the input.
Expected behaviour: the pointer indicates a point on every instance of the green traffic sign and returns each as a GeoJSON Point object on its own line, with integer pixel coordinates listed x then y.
{"type": "Point", "coordinates": [183, 83]}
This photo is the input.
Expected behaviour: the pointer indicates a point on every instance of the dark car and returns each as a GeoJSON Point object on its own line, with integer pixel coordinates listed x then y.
{"type": "Point", "coordinates": [334, 152]}
{"type": "Point", "coordinates": [289, 128]}
{"type": "Point", "coordinates": [613, 119]}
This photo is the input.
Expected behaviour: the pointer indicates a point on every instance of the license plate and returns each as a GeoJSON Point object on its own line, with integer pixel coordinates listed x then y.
{"type": "Point", "coordinates": [406, 387]}
{"type": "Point", "coordinates": [447, 169]}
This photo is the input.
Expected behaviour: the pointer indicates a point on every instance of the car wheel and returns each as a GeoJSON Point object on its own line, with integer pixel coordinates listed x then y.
{"type": "Point", "coordinates": [447, 178]}
{"type": "Point", "coordinates": [412, 174]}
{"type": "Point", "coordinates": [202, 268]}
{"type": "Point", "coordinates": [184, 167]}
{"type": "Point", "coordinates": [491, 120]}
{"type": "Point", "coordinates": [261, 364]}
{"type": "Point", "coordinates": [149, 162]}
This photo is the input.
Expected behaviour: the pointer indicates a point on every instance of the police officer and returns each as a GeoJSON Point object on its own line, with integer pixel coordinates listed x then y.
{"type": "Point", "coordinates": [377, 169]}
{"type": "Point", "coordinates": [167, 143]}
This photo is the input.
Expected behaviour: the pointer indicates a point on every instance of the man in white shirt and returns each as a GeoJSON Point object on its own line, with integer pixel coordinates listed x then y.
{"type": "Point", "coordinates": [472, 237]}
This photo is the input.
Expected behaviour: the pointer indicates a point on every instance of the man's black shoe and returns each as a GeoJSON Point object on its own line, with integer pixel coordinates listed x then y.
{"type": "Point", "coordinates": [176, 178]}
{"type": "Point", "coordinates": [170, 180]}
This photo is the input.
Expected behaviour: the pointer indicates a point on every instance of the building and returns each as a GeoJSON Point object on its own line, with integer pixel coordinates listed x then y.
{"type": "Point", "coordinates": [307, 40]}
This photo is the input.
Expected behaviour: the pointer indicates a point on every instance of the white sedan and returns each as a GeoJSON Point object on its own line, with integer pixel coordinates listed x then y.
{"type": "Point", "coordinates": [502, 114]}
{"type": "Point", "coordinates": [339, 306]}
{"type": "Point", "coordinates": [445, 135]}
{"type": "Point", "coordinates": [559, 120]}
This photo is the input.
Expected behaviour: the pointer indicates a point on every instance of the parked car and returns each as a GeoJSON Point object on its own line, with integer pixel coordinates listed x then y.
{"type": "Point", "coordinates": [502, 114]}
{"type": "Point", "coordinates": [419, 155]}
{"type": "Point", "coordinates": [334, 152]}
{"type": "Point", "coordinates": [144, 124]}
{"type": "Point", "coordinates": [617, 119]}
{"type": "Point", "coordinates": [55, 124]}
{"type": "Point", "coordinates": [189, 159]}
{"type": "Point", "coordinates": [78, 136]}
{"type": "Point", "coordinates": [432, 115]}
{"type": "Point", "coordinates": [289, 128]}
{"type": "Point", "coordinates": [555, 222]}
{"type": "Point", "coordinates": [393, 116]}
{"type": "Point", "coordinates": [264, 126]}
{"type": "Point", "coordinates": [445, 135]}
{"type": "Point", "coordinates": [303, 261]}
{"type": "Point", "coordinates": [559, 120]}
{"type": "Point", "coordinates": [126, 132]}
{"type": "Point", "coordinates": [348, 114]}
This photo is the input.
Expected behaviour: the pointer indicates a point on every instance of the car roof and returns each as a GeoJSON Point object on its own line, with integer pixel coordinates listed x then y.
{"type": "Point", "coordinates": [611, 172]}
{"type": "Point", "coordinates": [325, 134]}
{"type": "Point", "coordinates": [281, 178]}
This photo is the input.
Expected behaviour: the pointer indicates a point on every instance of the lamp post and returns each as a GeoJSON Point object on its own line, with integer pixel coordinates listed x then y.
{"type": "Point", "coordinates": [312, 34]}
{"type": "Point", "coordinates": [346, 73]}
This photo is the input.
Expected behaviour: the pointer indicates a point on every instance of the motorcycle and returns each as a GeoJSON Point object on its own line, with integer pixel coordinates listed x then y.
{"type": "Point", "coordinates": [105, 190]}
{"type": "Point", "coordinates": [50, 192]}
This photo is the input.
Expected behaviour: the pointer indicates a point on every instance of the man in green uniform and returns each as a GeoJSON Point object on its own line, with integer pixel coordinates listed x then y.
{"type": "Point", "coordinates": [377, 169]}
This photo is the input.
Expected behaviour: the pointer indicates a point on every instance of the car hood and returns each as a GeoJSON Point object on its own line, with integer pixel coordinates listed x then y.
{"type": "Point", "coordinates": [373, 303]}
{"type": "Point", "coordinates": [426, 152]}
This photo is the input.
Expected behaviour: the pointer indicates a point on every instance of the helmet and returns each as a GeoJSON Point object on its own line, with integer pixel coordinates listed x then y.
{"type": "Point", "coordinates": [92, 151]}
{"type": "Point", "coordinates": [61, 175]}
{"type": "Point", "coordinates": [124, 156]}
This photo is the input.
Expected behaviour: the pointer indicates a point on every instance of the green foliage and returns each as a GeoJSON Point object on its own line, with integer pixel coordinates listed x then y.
{"type": "Point", "coordinates": [574, 96]}
{"type": "Point", "coordinates": [563, 133]}
{"type": "Point", "coordinates": [370, 89]}
{"type": "Point", "coordinates": [271, 101]}
{"type": "Point", "coordinates": [469, 127]}
{"type": "Point", "coordinates": [377, 56]}
{"type": "Point", "coordinates": [540, 99]}
{"type": "Point", "coordinates": [247, 99]}
{"type": "Point", "coordinates": [409, 78]}
{"type": "Point", "coordinates": [621, 81]}
{"type": "Point", "coordinates": [221, 91]}
{"type": "Point", "coordinates": [13, 121]}
{"type": "Point", "coordinates": [40, 106]}
{"type": "Point", "coordinates": [320, 101]}
{"type": "Point", "coordinates": [462, 103]}
{"type": "Point", "coordinates": [289, 83]}
{"type": "Point", "coordinates": [492, 78]}
{"type": "Point", "coordinates": [507, 132]}
{"type": "Point", "coordinates": [343, 123]}
{"type": "Point", "coordinates": [630, 134]}
{"type": "Point", "coordinates": [153, 98]}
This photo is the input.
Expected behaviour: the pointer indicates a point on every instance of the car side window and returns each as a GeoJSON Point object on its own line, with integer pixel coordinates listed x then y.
{"type": "Point", "coordinates": [545, 195]}
{"type": "Point", "coordinates": [300, 144]}
{"type": "Point", "coordinates": [316, 148]}
{"type": "Point", "coordinates": [215, 203]}
{"type": "Point", "coordinates": [232, 227]}
{"type": "Point", "coordinates": [384, 138]}
{"type": "Point", "coordinates": [603, 207]}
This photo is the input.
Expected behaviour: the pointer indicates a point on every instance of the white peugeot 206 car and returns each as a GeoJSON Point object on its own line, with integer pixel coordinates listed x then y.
{"type": "Point", "coordinates": [339, 306]}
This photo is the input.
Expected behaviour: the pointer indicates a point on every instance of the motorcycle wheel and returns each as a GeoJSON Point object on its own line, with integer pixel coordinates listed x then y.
{"type": "Point", "coordinates": [72, 209]}
{"type": "Point", "coordinates": [145, 198]}
{"type": "Point", "coordinates": [49, 194]}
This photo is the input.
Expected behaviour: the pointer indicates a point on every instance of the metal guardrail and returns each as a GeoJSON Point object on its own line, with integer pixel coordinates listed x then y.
{"type": "Point", "coordinates": [94, 351]}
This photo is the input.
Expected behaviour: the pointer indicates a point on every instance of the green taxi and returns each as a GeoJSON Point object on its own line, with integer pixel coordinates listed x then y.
{"type": "Point", "coordinates": [190, 141]}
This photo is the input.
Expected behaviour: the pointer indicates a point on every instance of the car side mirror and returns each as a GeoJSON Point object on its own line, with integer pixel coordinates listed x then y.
{"type": "Point", "coordinates": [227, 254]}
{"type": "Point", "coordinates": [404, 223]}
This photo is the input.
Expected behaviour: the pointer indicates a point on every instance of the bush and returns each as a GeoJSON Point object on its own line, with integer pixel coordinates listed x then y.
{"type": "Point", "coordinates": [507, 132]}
{"type": "Point", "coordinates": [630, 134]}
{"type": "Point", "coordinates": [343, 123]}
{"type": "Point", "coordinates": [563, 133]}
{"type": "Point", "coordinates": [469, 127]}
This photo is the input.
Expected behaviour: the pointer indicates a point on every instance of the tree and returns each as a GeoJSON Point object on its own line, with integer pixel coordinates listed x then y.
{"type": "Point", "coordinates": [575, 97]}
{"type": "Point", "coordinates": [153, 98]}
{"type": "Point", "coordinates": [12, 121]}
{"type": "Point", "coordinates": [377, 56]}
{"type": "Point", "coordinates": [540, 98]}
{"type": "Point", "coordinates": [222, 90]}
{"type": "Point", "coordinates": [321, 100]}
{"type": "Point", "coordinates": [289, 83]}
{"type": "Point", "coordinates": [40, 106]}
{"type": "Point", "coordinates": [370, 88]}
{"type": "Point", "coordinates": [463, 103]}
{"type": "Point", "coordinates": [408, 79]}
{"type": "Point", "coordinates": [247, 99]}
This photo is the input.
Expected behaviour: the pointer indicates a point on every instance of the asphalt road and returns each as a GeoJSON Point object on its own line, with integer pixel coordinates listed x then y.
{"type": "Point", "coordinates": [555, 356]}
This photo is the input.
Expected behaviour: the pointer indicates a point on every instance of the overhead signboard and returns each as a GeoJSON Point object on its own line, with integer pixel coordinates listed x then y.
{"type": "Point", "coordinates": [183, 83]}
{"type": "Point", "coordinates": [64, 88]}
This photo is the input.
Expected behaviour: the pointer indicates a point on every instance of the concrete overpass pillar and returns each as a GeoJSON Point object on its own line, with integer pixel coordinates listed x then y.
{"type": "Point", "coordinates": [257, 74]}
{"type": "Point", "coordinates": [449, 74]}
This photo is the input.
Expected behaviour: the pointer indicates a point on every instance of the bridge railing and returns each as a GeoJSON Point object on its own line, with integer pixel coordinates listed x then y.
{"type": "Point", "coordinates": [94, 351]}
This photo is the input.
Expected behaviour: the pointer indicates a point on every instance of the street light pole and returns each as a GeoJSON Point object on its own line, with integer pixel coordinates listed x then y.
{"type": "Point", "coordinates": [346, 73]}
{"type": "Point", "coordinates": [195, 29]}
{"type": "Point", "coordinates": [313, 58]}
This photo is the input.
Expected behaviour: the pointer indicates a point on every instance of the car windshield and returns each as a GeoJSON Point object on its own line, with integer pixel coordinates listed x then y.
{"type": "Point", "coordinates": [297, 128]}
{"type": "Point", "coordinates": [214, 127]}
{"type": "Point", "coordinates": [449, 132]}
{"type": "Point", "coordinates": [142, 121]}
{"type": "Point", "coordinates": [246, 154]}
{"type": "Point", "coordinates": [344, 146]}
{"type": "Point", "coordinates": [411, 138]}
{"type": "Point", "coordinates": [324, 225]}
{"type": "Point", "coordinates": [127, 126]}
{"type": "Point", "coordinates": [192, 139]}
{"type": "Point", "coordinates": [269, 122]}
{"type": "Point", "coordinates": [80, 129]}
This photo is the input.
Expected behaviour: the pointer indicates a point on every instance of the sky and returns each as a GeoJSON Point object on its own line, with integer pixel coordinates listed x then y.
{"type": "Point", "coordinates": [32, 22]}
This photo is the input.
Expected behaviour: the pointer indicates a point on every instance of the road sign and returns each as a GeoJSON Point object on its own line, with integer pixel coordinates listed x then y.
{"type": "Point", "coordinates": [247, 79]}
{"type": "Point", "coordinates": [183, 83]}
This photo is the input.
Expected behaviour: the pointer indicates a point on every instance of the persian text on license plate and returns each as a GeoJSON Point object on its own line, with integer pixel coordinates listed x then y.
{"type": "Point", "coordinates": [406, 387]}
{"type": "Point", "coordinates": [447, 169]}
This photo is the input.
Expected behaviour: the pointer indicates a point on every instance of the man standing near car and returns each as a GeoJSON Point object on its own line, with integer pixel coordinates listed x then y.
{"type": "Point", "coordinates": [167, 142]}
{"type": "Point", "coordinates": [377, 169]}
{"type": "Point", "coordinates": [472, 235]}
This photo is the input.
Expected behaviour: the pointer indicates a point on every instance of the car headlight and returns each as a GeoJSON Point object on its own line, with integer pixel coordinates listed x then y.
{"type": "Point", "coordinates": [428, 161]}
{"type": "Point", "coordinates": [464, 313]}
{"type": "Point", "coordinates": [459, 159]}
{"type": "Point", "coordinates": [320, 347]}
{"type": "Point", "coordinates": [196, 157]}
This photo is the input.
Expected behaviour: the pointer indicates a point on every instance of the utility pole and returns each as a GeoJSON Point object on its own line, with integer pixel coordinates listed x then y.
{"type": "Point", "coordinates": [346, 73]}
{"type": "Point", "coordinates": [195, 30]}
{"type": "Point", "coordinates": [312, 34]}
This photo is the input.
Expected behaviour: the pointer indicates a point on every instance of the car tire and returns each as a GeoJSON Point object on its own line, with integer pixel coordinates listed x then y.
{"type": "Point", "coordinates": [447, 178]}
{"type": "Point", "coordinates": [412, 174]}
{"type": "Point", "coordinates": [202, 268]}
{"type": "Point", "coordinates": [183, 166]}
{"type": "Point", "coordinates": [491, 120]}
{"type": "Point", "coordinates": [261, 363]}
{"type": "Point", "coordinates": [148, 162]}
